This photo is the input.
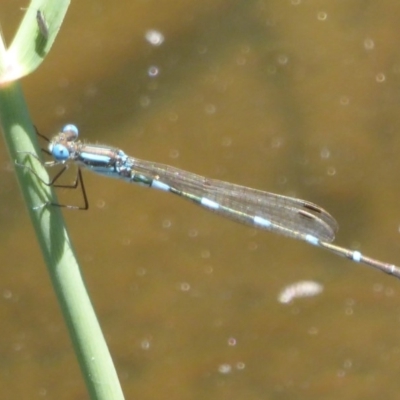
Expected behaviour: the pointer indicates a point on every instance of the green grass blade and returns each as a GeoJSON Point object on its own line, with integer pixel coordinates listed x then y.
{"type": "Point", "coordinates": [33, 39]}
{"type": "Point", "coordinates": [20, 137]}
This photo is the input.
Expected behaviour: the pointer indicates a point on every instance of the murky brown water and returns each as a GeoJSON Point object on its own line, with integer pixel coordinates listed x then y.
{"type": "Point", "coordinates": [296, 97]}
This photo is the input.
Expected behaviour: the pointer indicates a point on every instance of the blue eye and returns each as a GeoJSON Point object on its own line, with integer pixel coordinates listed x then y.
{"type": "Point", "coordinates": [71, 129]}
{"type": "Point", "coordinates": [60, 152]}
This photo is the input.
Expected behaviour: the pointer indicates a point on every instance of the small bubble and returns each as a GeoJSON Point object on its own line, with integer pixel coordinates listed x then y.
{"type": "Point", "coordinates": [202, 49]}
{"type": "Point", "coordinates": [270, 22]}
{"type": "Point", "coordinates": [252, 246]}
{"type": "Point", "coordinates": [89, 258]}
{"type": "Point", "coordinates": [313, 331]}
{"type": "Point", "coordinates": [282, 180]}
{"type": "Point", "coordinates": [173, 153]}
{"type": "Point", "coordinates": [322, 16]}
{"type": "Point", "coordinates": [378, 287]}
{"type": "Point", "coordinates": [153, 71]}
{"type": "Point", "coordinates": [349, 311]}
{"type": "Point", "coordinates": [18, 346]}
{"type": "Point", "coordinates": [245, 49]}
{"type": "Point", "coordinates": [369, 44]}
{"type": "Point", "coordinates": [252, 232]}
{"type": "Point", "coordinates": [208, 269]}
{"type": "Point", "coordinates": [325, 153]}
{"type": "Point", "coordinates": [91, 91]}
{"type": "Point", "coordinates": [240, 365]}
{"type": "Point", "coordinates": [341, 373]}
{"type": "Point", "coordinates": [7, 294]}
{"type": "Point", "coordinates": [193, 233]}
{"type": "Point", "coordinates": [60, 111]}
{"type": "Point", "coordinates": [344, 101]}
{"type": "Point", "coordinates": [241, 60]}
{"type": "Point", "coordinates": [331, 171]}
{"type": "Point", "coordinates": [100, 203]}
{"type": "Point", "coordinates": [232, 341]}
{"type": "Point", "coordinates": [276, 143]}
{"type": "Point", "coordinates": [225, 368]}
{"type": "Point", "coordinates": [173, 117]}
{"type": "Point", "coordinates": [348, 364]}
{"type": "Point", "coordinates": [166, 223]}
{"type": "Point", "coordinates": [144, 101]}
{"type": "Point", "coordinates": [205, 254]}
{"type": "Point", "coordinates": [155, 38]}
{"type": "Point", "coordinates": [380, 77]}
{"type": "Point", "coordinates": [126, 241]}
{"type": "Point", "coordinates": [283, 59]}
{"type": "Point", "coordinates": [389, 292]}
{"type": "Point", "coordinates": [184, 287]}
{"type": "Point", "coordinates": [350, 302]}
{"type": "Point", "coordinates": [145, 344]}
{"type": "Point", "coordinates": [210, 109]}
{"type": "Point", "coordinates": [63, 83]}
{"type": "Point", "coordinates": [226, 141]}
{"type": "Point", "coordinates": [141, 271]}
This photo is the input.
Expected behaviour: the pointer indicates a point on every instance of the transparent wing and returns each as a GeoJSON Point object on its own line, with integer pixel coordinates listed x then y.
{"type": "Point", "coordinates": [289, 216]}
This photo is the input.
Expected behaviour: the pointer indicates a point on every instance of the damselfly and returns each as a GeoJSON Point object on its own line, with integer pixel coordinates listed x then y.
{"type": "Point", "coordinates": [287, 216]}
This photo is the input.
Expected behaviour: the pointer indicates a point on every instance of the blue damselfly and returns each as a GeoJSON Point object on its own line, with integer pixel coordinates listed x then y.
{"type": "Point", "coordinates": [284, 215]}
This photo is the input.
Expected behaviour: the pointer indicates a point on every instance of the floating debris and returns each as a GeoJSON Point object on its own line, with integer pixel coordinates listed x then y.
{"type": "Point", "coordinates": [298, 290]}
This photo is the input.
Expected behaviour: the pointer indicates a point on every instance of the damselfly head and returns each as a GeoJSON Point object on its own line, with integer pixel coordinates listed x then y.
{"type": "Point", "coordinates": [63, 144]}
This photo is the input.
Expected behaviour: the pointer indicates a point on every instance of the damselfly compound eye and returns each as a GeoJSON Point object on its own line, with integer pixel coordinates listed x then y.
{"type": "Point", "coordinates": [71, 130]}
{"type": "Point", "coordinates": [59, 152]}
